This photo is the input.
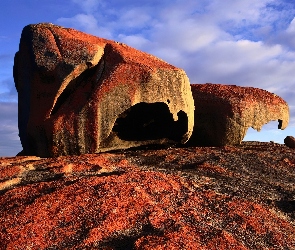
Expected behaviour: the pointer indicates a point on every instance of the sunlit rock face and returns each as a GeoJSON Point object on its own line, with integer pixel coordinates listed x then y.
{"type": "Point", "coordinates": [224, 113]}
{"type": "Point", "coordinates": [83, 94]}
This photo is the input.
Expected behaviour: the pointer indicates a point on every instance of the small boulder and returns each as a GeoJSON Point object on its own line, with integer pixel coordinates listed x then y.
{"type": "Point", "coordinates": [224, 113]}
{"type": "Point", "coordinates": [290, 141]}
{"type": "Point", "coordinates": [83, 94]}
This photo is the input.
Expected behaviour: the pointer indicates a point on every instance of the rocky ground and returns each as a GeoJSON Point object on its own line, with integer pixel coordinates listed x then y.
{"type": "Point", "coordinates": [232, 197]}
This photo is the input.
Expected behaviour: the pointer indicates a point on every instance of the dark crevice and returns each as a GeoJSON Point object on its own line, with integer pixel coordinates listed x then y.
{"type": "Point", "coordinates": [89, 76]}
{"type": "Point", "coordinates": [150, 121]}
{"type": "Point", "coordinates": [118, 173]}
{"type": "Point", "coordinates": [56, 40]}
{"type": "Point", "coordinates": [287, 206]}
{"type": "Point", "coordinates": [280, 124]}
{"type": "Point", "coordinates": [126, 240]}
{"type": "Point", "coordinates": [70, 88]}
{"type": "Point", "coordinates": [104, 174]}
{"type": "Point", "coordinates": [40, 176]}
{"type": "Point", "coordinates": [192, 165]}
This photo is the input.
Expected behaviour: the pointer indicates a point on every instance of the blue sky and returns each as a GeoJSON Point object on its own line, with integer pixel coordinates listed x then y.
{"type": "Point", "coordinates": [242, 42]}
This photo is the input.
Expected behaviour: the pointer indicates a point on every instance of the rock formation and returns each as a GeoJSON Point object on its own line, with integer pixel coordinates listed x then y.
{"type": "Point", "coordinates": [83, 94]}
{"type": "Point", "coordinates": [290, 141]}
{"type": "Point", "coordinates": [178, 198]}
{"type": "Point", "coordinates": [223, 113]}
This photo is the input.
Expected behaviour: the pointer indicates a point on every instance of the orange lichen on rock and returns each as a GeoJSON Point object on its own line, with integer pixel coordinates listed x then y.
{"type": "Point", "coordinates": [123, 201]}
{"type": "Point", "coordinates": [223, 113]}
{"type": "Point", "coordinates": [82, 94]}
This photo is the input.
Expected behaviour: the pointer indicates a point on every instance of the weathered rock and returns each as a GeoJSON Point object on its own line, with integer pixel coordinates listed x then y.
{"type": "Point", "coordinates": [290, 141]}
{"type": "Point", "coordinates": [179, 198]}
{"type": "Point", "coordinates": [224, 113]}
{"type": "Point", "coordinates": [83, 94]}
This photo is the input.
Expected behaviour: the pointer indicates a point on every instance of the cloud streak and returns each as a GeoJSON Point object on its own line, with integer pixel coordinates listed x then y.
{"type": "Point", "coordinates": [9, 144]}
{"type": "Point", "coordinates": [8, 91]}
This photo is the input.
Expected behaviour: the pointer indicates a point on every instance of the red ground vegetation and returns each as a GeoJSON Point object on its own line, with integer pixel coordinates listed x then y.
{"type": "Point", "coordinates": [178, 198]}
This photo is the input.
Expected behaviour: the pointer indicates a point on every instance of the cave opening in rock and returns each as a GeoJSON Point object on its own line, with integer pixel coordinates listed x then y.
{"type": "Point", "coordinates": [150, 121]}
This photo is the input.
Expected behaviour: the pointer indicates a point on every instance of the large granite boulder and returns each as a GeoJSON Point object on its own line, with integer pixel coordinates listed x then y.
{"type": "Point", "coordinates": [82, 94]}
{"type": "Point", "coordinates": [224, 113]}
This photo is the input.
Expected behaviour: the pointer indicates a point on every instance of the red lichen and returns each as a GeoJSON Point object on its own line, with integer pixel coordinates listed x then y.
{"type": "Point", "coordinates": [223, 113]}
{"type": "Point", "coordinates": [81, 84]}
{"type": "Point", "coordinates": [128, 205]}
{"type": "Point", "coordinates": [234, 95]}
{"type": "Point", "coordinates": [7, 172]}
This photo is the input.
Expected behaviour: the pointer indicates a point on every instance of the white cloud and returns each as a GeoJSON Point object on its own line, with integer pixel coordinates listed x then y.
{"type": "Point", "coordinates": [291, 28]}
{"type": "Point", "coordinates": [238, 11]}
{"type": "Point", "coordinates": [136, 41]}
{"type": "Point", "coordinates": [3, 38]}
{"type": "Point", "coordinates": [88, 5]}
{"type": "Point", "coordinates": [9, 143]}
{"type": "Point", "coordinates": [169, 54]}
{"type": "Point", "coordinates": [87, 23]}
{"type": "Point", "coordinates": [287, 37]}
{"type": "Point", "coordinates": [233, 61]}
{"type": "Point", "coordinates": [133, 18]}
{"type": "Point", "coordinates": [8, 91]}
{"type": "Point", "coordinates": [185, 34]}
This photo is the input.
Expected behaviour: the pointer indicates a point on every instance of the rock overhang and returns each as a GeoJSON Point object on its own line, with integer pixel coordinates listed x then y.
{"type": "Point", "coordinates": [74, 89]}
{"type": "Point", "coordinates": [224, 113]}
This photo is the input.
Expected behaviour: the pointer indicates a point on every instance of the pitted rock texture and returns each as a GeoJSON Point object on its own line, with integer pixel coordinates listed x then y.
{"type": "Point", "coordinates": [83, 94]}
{"type": "Point", "coordinates": [223, 113]}
{"type": "Point", "coordinates": [178, 198]}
